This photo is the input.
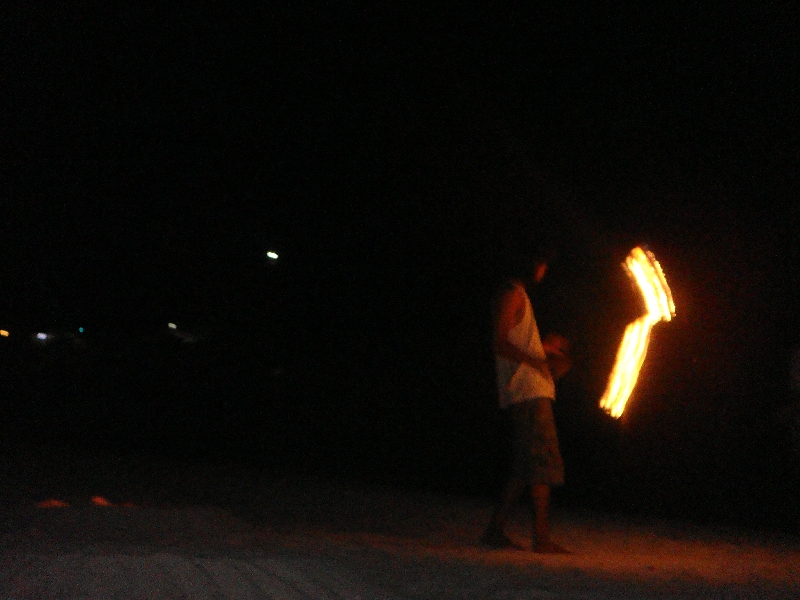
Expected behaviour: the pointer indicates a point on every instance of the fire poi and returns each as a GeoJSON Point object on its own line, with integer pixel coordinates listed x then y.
{"type": "Point", "coordinates": [643, 268]}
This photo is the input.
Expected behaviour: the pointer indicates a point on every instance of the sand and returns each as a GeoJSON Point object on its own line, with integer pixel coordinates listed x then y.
{"type": "Point", "coordinates": [159, 529]}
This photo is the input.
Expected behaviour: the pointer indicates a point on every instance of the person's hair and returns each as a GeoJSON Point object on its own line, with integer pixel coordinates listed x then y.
{"type": "Point", "coordinates": [544, 253]}
{"type": "Point", "coordinates": [520, 263]}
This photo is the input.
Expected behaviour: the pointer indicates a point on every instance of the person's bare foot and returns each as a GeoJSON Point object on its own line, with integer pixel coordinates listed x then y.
{"type": "Point", "coordinates": [497, 540]}
{"type": "Point", "coordinates": [549, 548]}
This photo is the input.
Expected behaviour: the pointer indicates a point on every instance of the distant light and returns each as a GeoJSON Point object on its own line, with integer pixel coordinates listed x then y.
{"type": "Point", "coordinates": [80, 329]}
{"type": "Point", "coordinates": [272, 255]}
{"type": "Point", "coordinates": [41, 336]}
{"type": "Point", "coordinates": [3, 333]}
{"type": "Point", "coordinates": [172, 325]}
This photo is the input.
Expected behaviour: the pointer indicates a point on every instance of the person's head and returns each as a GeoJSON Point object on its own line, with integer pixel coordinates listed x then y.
{"type": "Point", "coordinates": [531, 266]}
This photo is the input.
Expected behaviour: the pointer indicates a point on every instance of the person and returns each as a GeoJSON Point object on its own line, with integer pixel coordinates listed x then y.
{"type": "Point", "coordinates": [526, 390]}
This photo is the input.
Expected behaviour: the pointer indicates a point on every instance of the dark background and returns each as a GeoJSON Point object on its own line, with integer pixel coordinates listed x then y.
{"type": "Point", "coordinates": [392, 157]}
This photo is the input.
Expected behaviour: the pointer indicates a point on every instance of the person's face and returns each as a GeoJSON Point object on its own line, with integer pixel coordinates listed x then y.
{"type": "Point", "coordinates": [539, 271]}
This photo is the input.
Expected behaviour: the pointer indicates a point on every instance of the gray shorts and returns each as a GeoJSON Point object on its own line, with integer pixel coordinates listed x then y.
{"type": "Point", "coordinates": [535, 454]}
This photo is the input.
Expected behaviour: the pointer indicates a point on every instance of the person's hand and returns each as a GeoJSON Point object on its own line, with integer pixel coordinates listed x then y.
{"type": "Point", "coordinates": [559, 365]}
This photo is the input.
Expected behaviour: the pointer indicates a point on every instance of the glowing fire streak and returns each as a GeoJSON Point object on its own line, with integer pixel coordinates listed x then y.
{"type": "Point", "coordinates": [642, 267]}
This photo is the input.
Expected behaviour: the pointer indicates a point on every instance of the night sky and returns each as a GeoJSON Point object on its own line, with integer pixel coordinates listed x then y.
{"type": "Point", "coordinates": [392, 156]}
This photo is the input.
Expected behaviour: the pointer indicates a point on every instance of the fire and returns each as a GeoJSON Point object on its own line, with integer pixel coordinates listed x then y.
{"type": "Point", "coordinates": [643, 268]}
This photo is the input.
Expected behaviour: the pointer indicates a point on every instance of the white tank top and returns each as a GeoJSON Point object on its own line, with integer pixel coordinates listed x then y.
{"type": "Point", "coordinates": [518, 381]}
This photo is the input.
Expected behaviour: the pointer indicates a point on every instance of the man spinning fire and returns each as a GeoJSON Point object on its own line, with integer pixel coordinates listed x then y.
{"type": "Point", "coordinates": [526, 390]}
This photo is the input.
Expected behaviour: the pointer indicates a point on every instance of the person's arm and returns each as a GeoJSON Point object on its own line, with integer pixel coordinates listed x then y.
{"type": "Point", "coordinates": [510, 314]}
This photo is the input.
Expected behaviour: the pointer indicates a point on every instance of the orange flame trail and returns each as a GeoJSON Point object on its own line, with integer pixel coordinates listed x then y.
{"type": "Point", "coordinates": [642, 267]}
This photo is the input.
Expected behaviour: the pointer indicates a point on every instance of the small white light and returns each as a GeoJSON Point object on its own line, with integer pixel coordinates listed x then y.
{"type": "Point", "coordinates": [41, 336]}
{"type": "Point", "coordinates": [172, 325]}
{"type": "Point", "coordinates": [272, 255]}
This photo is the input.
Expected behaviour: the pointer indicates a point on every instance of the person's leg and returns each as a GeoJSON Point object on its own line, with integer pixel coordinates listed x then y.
{"type": "Point", "coordinates": [515, 485]}
{"type": "Point", "coordinates": [540, 505]}
{"type": "Point", "coordinates": [549, 471]}
{"type": "Point", "coordinates": [495, 534]}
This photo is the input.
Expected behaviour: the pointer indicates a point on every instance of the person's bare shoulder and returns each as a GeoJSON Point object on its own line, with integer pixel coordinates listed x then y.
{"type": "Point", "coordinates": [512, 304]}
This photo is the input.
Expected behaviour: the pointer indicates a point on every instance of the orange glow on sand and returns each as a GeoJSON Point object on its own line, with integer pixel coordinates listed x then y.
{"type": "Point", "coordinates": [644, 269]}
{"type": "Point", "coordinates": [95, 500]}
{"type": "Point", "coordinates": [52, 503]}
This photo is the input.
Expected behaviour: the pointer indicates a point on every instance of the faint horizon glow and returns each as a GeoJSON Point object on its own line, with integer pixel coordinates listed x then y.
{"type": "Point", "coordinates": [172, 325]}
{"type": "Point", "coordinates": [642, 267]}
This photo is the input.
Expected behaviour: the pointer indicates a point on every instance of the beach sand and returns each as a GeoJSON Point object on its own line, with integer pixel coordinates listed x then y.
{"type": "Point", "coordinates": [78, 527]}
